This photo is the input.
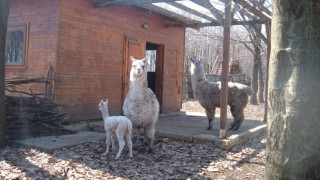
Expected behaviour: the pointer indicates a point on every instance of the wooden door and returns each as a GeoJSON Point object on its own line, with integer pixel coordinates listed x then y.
{"type": "Point", "coordinates": [159, 74]}
{"type": "Point", "coordinates": [172, 87]}
{"type": "Point", "coordinates": [135, 48]}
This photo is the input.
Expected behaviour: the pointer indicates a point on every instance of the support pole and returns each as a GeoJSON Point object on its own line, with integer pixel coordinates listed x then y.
{"type": "Point", "coordinates": [4, 14]}
{"type": "Point", "coordinates": [225, 69]}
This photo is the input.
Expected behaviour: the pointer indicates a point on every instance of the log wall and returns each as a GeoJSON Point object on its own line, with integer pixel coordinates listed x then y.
{"type": "Point", "coordinates": [91, 53]}
{"type": "Point", "coordinates": [41, 21]}
{"type": "Point", "coordinates": [85, 47]}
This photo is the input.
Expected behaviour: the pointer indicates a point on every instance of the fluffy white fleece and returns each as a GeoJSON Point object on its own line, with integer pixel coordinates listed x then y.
{"type": "Point", "coordinates": [141, 105]}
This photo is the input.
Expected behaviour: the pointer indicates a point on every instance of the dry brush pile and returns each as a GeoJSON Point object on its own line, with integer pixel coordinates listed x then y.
{"type": "Point", "coordinates": [28, 114]}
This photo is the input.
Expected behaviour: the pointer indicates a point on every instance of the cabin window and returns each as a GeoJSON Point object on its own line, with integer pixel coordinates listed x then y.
{"type": "Point", "coordinates": [15, 45]}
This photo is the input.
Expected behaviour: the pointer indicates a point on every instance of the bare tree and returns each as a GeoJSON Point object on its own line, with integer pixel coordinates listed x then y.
{"type": "Point", "coordinates": [256, 36]}
{"type": "Point", "coordinates": [293, 96]}
{"type": "Point", "coordinates": [4, 14]}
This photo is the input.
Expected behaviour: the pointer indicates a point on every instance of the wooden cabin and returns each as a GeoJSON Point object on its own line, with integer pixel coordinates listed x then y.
{"type": "Point", "coordinates": [87, 50]}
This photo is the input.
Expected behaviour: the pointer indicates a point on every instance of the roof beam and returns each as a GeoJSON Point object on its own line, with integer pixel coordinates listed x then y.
{"type": "Point", "coordinates": [253, 10]}
{"type": "Point", "coordinates": [102, 3]}
{"type": "Point", "coordinates": [215, 23]}
{"type": "Point", "coordinates": [191, 11]}
{"type": "Point", "coordinates": [234, 8]}
{"type": "Point", "coordinates": [215, 12]}
{"type": "Point", "coordinates": [260, 6]}
{"type": "Point", "coordinates": [168, 13]}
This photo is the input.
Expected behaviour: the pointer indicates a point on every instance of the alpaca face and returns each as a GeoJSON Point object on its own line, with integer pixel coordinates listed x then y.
{"type": "Point", "coordinates": [102, 104]}
{"type": "Point", "coordinates": [196, 65]}
{"type": "Point", "coordinates": [138, 66]}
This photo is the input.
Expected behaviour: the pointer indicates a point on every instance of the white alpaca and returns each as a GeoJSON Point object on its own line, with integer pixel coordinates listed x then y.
{"type": "Point", "coordinates": [141, 105]}
{"type": "Point", "coordinates": [119, 126]}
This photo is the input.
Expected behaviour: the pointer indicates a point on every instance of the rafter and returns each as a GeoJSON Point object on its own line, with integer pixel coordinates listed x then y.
{"type": "Point", "coordinates": [253, 10]}
{"type": "Point", "coordinates": [261, 7]}
{"type": "Point", "coordinates": [168, 13]}
{"type": "Point", "coordinates": [102, 3]}
{"type": "Point", "coordinates": [191, 11]}
{"type": "Point", "coordinates": [215, 12]}
{"type": "Point", "coordinates": [215, 23]}
{"type": "Point", "coordinates": [234, 8]}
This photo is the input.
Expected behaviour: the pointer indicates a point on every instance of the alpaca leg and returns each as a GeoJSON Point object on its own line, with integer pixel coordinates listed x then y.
{"type": "Point", "coordinates": [210, 114]}
{"type": "Point", "coordinates": [238, 118]}
{"type": "Point", "coordinates": [120, 132]}
{"type": "Point", "coordinates": [129, 143]}
{"type": "Point", "coordinates": [135, 134]}
{"type": "Point", "coordinates": [108, 141]}
{"type": "Point", "coordinates": [113, 145]}
{"type": "Point", "coordinates": [149, 132]}
{"type": "Point", "coordinates": [121, 145]}
{"type": "Point", "coordinates": [233, 112]}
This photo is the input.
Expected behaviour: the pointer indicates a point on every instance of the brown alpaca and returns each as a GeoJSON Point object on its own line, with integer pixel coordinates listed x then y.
{"type": "Point", "coordinates": [208, 95]}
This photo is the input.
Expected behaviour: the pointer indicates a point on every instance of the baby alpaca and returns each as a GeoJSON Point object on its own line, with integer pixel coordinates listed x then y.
{"type": "Point", "coordinates": [119, 126]}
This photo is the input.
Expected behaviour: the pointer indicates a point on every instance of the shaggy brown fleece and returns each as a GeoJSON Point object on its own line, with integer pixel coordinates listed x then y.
{"type": "Point", "coordinates": [208, 95]}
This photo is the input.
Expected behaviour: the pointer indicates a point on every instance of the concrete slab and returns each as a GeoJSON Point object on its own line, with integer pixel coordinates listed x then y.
{"type": "Point", "coordinates": [191, 127]}
{"type": "Point", "coordinates": [50, 143]}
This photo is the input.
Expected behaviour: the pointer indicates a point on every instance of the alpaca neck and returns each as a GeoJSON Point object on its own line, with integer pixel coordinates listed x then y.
{"type": "Point", "coordinates": [198, 79]}
{"type": "Point", "coordinates": [105, 113]}
{"type": "Point", "coordinates": [139, 85]}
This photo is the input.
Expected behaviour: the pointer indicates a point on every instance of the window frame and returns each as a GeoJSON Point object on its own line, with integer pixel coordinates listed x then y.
{"type": "Point", "coordinates": [25, 28]}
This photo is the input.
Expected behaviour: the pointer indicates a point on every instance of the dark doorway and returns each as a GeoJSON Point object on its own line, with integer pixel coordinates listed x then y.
{"type": "Point", "coordinates": [154, 54]}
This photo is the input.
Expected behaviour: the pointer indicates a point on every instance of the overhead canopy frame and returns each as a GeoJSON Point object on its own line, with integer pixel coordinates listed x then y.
{"type": "Point", "coordinates": [214, 18]}
{"type": "Point", "coordinates": [257, 13]}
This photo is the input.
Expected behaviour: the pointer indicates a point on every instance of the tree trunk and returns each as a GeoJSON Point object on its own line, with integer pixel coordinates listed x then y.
{"type": "Point", "coordinates": [4, 13]}
{"type": "Point", "coordinates": [293, 145]}
{"type": "Point", "coordinates": [261, 82]}
{"type": "Point", "coordinates": [190, 90]}
{"type": "Point", "coordinates": [255, 70]}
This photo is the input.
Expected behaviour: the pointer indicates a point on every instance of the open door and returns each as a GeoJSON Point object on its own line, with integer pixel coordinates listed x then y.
{"type": "Point", "coordinates": [154, 67]}
{"type": "Point", "coordinates": [135, 48]}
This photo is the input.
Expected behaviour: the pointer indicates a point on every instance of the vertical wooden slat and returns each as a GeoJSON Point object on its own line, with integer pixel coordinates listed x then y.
{"type": "Point", "coordinates": [225, 68]}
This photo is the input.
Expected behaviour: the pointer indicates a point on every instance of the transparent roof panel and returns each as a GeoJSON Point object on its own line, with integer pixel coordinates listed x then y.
{"type": "Point", "coordinates": [181, 12]}
{"type": "Point", "coordinates": [198, 11]}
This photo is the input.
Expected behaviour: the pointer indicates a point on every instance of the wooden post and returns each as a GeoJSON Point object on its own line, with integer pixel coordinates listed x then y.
{"type": "Point", "coordinates": [4, 14]}
{"type": "Point", "coordinates": [225, 69]}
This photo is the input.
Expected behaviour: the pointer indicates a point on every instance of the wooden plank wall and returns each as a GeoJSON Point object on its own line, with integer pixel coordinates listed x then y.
{"type": "Point", "coordinates": [41, 20]}
{"type": "Point", "coordinates": [91, 52]}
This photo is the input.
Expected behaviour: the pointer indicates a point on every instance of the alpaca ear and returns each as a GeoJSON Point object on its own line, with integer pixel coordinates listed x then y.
{"type": "Point", "coordinates": [192, 60]}
{"type": "Point", "coordinates": [144, 59]}
{"type": "Point", "coordinates": [106, 100]}
{"type": "Point", "coordinates": [132, 58]}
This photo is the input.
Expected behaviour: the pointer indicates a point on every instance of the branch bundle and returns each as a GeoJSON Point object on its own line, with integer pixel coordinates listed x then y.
{"type": "Point", "coordinates": [29, 115]}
